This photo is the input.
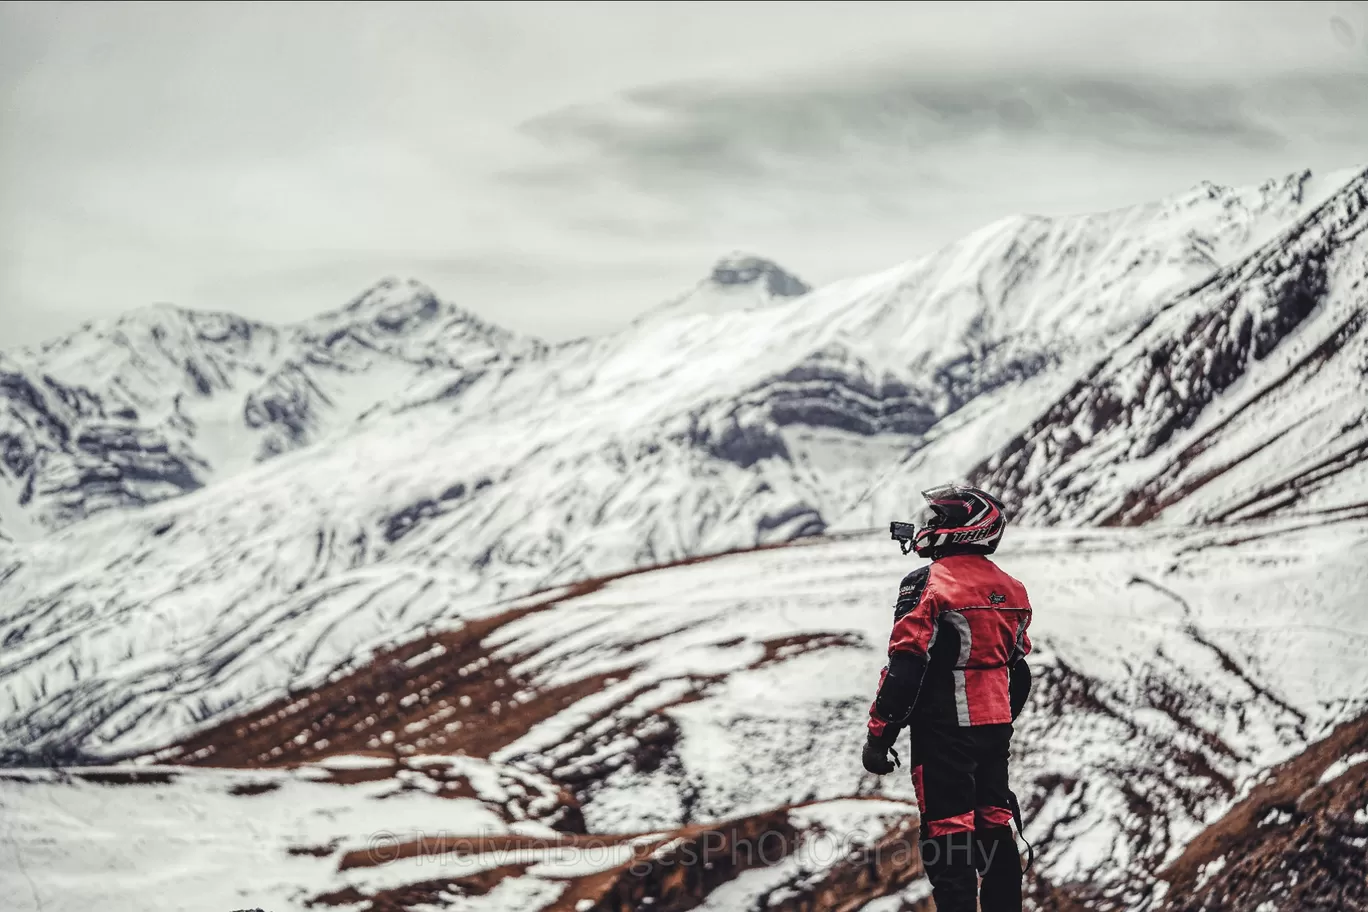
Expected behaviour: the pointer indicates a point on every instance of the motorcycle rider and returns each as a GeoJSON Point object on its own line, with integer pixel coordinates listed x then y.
{"type": "Point", "coordinates": [956, 678]}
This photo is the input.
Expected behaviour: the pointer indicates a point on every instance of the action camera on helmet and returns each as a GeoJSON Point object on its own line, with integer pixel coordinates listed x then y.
{"type": "Point", "coordinates": [903, 533]}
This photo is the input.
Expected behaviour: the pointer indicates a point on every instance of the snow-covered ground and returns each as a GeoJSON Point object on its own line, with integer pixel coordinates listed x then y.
{"type": "Point", "coordinates": [209, 839]}
{"type": "Point", "coordinates": [1172, 667]}
{"type": "Point", "coordinates": [182, 840]}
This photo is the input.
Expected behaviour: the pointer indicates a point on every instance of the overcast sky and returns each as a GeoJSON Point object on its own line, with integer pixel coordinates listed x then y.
{"type": "Point", "coordinates": [560, 167]}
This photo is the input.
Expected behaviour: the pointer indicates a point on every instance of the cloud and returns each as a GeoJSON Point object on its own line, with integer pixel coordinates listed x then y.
{"type": "Point", "coordinates": [568, 165]}
{"type": "Point", "coordinates": [685, 135]}
{"type": "Point", "coordinates": [860, 169]}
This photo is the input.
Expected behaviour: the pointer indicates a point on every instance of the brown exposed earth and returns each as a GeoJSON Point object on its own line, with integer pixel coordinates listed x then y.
{"type": "Point", "coordinates": [403, 702]}
{"type": "Point", "coordinates": [1295, 844]}
{"type": "Point", "coordinates": [674, 871]}
{"type": "Point", "coordinates": [451, 693]}
{"type": "Point", "coordinates": [443, 693]}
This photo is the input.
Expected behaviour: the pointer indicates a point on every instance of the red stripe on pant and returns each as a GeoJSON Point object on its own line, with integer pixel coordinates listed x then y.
{"type": "Point", "coordinates": [960, 823]}
{"type": "Point", "coordinates": [919, 788]}
{"type": "Point", "coordinates": [985, 817]}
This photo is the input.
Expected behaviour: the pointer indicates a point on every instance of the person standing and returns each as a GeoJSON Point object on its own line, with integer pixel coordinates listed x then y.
{"type": "Point", "coordinates": [956, 679]}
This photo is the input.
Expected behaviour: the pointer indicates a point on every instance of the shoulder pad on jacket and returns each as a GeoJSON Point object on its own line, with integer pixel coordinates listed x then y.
{"type": "Point", "coordinates": [910, 591]}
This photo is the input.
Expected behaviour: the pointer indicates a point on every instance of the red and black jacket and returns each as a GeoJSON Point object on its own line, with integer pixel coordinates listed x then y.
{"type": "Point", "coordinates": [957, 652]}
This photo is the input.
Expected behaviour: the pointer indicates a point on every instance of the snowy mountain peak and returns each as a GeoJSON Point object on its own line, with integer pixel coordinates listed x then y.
{"type": "Point", "coordinates": [395, 307]}
{"type": "Point", "coordinates": [159, 401]}
{"type": "Point", "coordinates": [740, 268]}
{"type": "Point", "coordinates": [389, 292]}
{"type": "Point", "coordinates": [738, 282]}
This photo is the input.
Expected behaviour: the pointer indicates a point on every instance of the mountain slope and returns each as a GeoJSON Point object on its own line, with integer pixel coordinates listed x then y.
{"type": "Point", "coordinates": [163, 401]}
{"type": "Point", "coordinates": [1247, 397]}
{"type": "Point", "coordinates": [1296, 842]}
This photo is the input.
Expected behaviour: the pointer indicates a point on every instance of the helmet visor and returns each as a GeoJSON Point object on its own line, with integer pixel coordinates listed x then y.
{"type": "Point", "coordinates": [926, 517]}
{"type": "Point", "coordinates": [929, 516]}
{"type": "Point", "coordinates": [943, 491]}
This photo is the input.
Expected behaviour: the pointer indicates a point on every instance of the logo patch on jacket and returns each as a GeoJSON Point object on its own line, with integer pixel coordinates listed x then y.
{"type": "Point", "coordinates": [910, 592]}
{"type": "Point", "coordinates": [997, 598]}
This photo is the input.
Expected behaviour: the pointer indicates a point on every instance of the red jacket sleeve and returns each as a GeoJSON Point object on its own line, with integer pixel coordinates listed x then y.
{"type": "Point", "coordinates": [914, 620]}
{"type": "Point", "coordinates": [914, 615]}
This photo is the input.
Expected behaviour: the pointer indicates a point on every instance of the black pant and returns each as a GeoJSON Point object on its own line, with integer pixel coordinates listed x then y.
{"type": "Point", "coordinates": [965, 804]}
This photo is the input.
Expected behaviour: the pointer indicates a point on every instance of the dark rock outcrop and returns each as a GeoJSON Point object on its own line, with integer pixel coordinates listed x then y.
{"type": "Point", "coordinates": [1297, 843]}
{"type": "Point", "coordinates": [742, 269]}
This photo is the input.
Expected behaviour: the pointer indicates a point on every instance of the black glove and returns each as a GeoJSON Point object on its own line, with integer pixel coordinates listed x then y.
{"type": "Point", "coordinates": [875, 754]}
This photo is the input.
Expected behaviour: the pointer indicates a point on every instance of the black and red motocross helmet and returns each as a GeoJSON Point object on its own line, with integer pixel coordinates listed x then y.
{"type": "Point", "coordinates": [958, 519]}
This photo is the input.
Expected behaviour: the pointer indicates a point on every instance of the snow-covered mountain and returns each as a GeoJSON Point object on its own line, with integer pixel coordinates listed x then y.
{"type": "Point", "coordinates": [1244, 397]}
{"type": "Point", "coordinates": [740, 281]}
{"type": "Point", "coordinates": [200, 515]}
{"type": "Point", "coordinates": [163, 401]}
{"type": "Point", "coordinates": [505, 466]}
